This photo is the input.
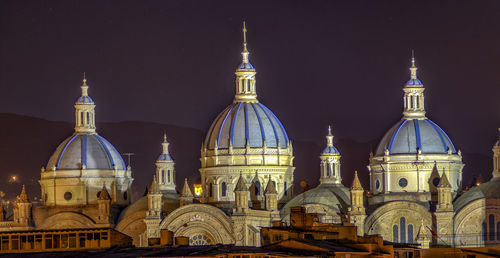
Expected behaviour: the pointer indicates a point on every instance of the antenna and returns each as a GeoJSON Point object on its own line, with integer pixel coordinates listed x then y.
{"type": "Point", "coordinates": [128, 154]}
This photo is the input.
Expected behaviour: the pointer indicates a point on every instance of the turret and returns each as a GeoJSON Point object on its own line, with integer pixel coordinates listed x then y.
{"type": "Point", "coordinates": [186, 194]}
{"type": "Point", "coordinates": [153, 215]}
{"type": "Point", "coordinates": [22, 208]}
{"type": "Point", "coordinates": [245, 76]}
{"type": "Point", "coordinates": [165, 168]}
{"type": "Point", "coordinates": [496, 158]}
{"type": "Point", "coordinates": [104, 206]}
{"type": "Point", "coordinates": [330, 162]}
{"type": "Point", "coordinates": [357, 211]}
{"type": "Point", "coordinates": [241, 195]}
{"type": "Point", "coordinates": [271, 196]}
{"type": "Point", "coordinates": [413, 100]}
{"type": "Point", "coordinates": [85, 111]}
{"type": "Point", "coordinates": [444, 194]}
{"type": "Point", "coordinates": [256, 192]}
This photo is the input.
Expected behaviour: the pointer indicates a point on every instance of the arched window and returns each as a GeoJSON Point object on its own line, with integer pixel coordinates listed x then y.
{"type": "Point", "coordinates": [327, 169]}
{"type": "Point", "coordinates": [334, 166]}
{"type": "Point", "coordinates": [286, 189]}
{"type": "Point", "coordinates": [257, 188]}
{"type": "Point", "coordinates": [485, 231]}
{"type": "Point", "coordinates": [395, 237]}
{"type": "Point", "coordinates": [492, 226]}
{"type": "Point", "coordinates": [418, 101]}
{"type": "Point", "coordinates": [88, 118]}
{"type": "Point", "coordinates": [402, 225]}
{"type": "Point", "coordinates": [210, 190]}
{"type": "Point", "coordinates": [223, 189]}
{"type": "Point", "coordinates": [498, 230]}
{"type": "Point", "coordinates": [168, 175]}
{"type": "Point", "coordinates": [162, 176]}
{"type": "Point", "coordinates": [410, 233]}
{"type": "Point", "coordinates": [81, 118]}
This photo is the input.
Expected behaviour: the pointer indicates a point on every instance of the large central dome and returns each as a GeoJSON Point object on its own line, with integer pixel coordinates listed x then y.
{"type": "Point", "coordinates": [246, 139]}
{"type": "Point", "coordinates": [243, 123]}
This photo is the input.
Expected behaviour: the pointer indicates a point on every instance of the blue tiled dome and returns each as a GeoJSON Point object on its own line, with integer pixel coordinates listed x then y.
{"type": "Point", "coordinates": [246, 121]}
{"type": "Point", "coordinates": [409, 135]}
{"type": "Point", "coordinates": [330, 150]}
{"type": "Point", "coordinates": [85, 99]}
{"type": "Point", "coordinates": [91, 150]}
{"type": "Point", "coordinates": [164, 157]}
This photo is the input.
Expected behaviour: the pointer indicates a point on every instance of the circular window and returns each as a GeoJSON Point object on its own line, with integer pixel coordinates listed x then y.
{"type": "Point", "coordinates": [403, 182]}
{"type": "Point", "coordinates": [377, 184]}
{"type": "Point", "coordinates": [435, 181]}
{"type": "Point", "coordinates": [68, 196]}
{"type": "Point", "coordinates": [125, 196]}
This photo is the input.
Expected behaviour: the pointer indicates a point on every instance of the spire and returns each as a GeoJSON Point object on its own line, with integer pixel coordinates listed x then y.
{"type": "Point", "coordinates": [245, 75]}
{"type": "Point", "coordinates": [444, 181]}
{"type": "Point", "coordinates": [154, 186]}
{"type": "Point", "coordinates": [240, 185]}
{"type": "Point", "coordinates": [270, 188]}
{"type": "Point", "coordinates": [356, 184]}
{"type": "Point", "coordinates": [104, 194]}
{"type": "Point", "coordinates": [23, 197]}
{"type": "Point", "coordinates": [413, 100]}
{"type": "Point", "coordinates": [186, 190]}
{"type": "Point", "coordinates": [329, 137]}
{"type": "Point", "coordinates": [84, 111]}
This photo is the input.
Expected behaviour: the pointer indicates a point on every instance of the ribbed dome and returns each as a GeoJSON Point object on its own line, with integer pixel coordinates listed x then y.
{"type": "Point", "coordinates": [409, 135]}
{"type": "Point", "coordinates": [91, 150]}
{"type": "Point", "coordinates": [333, 196]}
{"type": "Point", "coordinates": [330, 150]}
{"type": "Point", "coordinates": [244, 122]}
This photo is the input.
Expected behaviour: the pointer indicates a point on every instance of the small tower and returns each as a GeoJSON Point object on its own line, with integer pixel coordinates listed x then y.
{"type": "Point", "coordinates": [165, 168]}
{"type": "Point", "coordinates": [444, 209]}
{"type": "Point", "coordinates": [413, 100]}
{"type": "Point", "coordinates": [256, 192]}
{"type": "Point", "coordinates": [153, 215]}
{"type": "Point", "coordinates": [357, 210]}
{"type": "Point", "coordinates": [245, 76]}
{"type": "Point", "coordinates": [330, 162]}
{"type": "Point", "coordinates": [22, 208]}
{"type": "Point", "coordinates": [241, 195]}
{"type": "Point", "coordinates": [85, 111]}
{"type": "Point", "coordinates": [271, 197]}
{"type": "Point", "coordinates": [104, 206]}
{"type": "Point", "coordinates": [496, 159]}
{"type": "Point", "coordinates": [186, 194]}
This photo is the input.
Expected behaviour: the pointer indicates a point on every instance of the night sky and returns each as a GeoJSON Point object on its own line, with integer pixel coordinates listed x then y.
{"type": "Point", "coordinates": [342, 63]}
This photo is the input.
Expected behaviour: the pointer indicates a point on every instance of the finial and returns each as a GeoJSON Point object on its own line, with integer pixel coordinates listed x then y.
{"type": "Point", "coordinates": [84, 79]}
{"type": "Point", "coordinates": [329, 137]}
{"type": "Point", "coordinates": [413, 68]}
{"type": "Point", "coordinates": [245, 52]}
{"type": "Point", "coordinates": [164, 136]}
{"type": "Point", "coordinates": [84, 86]}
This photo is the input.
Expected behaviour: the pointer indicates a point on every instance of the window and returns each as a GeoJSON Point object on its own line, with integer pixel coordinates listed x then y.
{"type": "Point", "coordinates": [395, 237]}
{"type": "Point", "coordinates": [498, 230]}
{"type": "Point", "coordinates": [403, 182]}
{"type": "Point", "coordinates": [485, 231]}
{"type": "Point", "coordinates": [68, 196]}
{"type": "Point", "coordinates": [492, 226]}
{"type": "Point", "coordinates": [81, 118]}
{"type": "Point", "coordinates": [327, 169]}
{"type": "Point", "coordinates": [410, 233]}
{"type": "Point", "coordinates": [377, 184]}
{"type": "Point", "coordinates": [223, 189]}
{"type": "Point", "coordinates": [88, 117]}
{"type": "Point", "coordinates": [402, 224]}
{"type": "Point", "coordinates": [285, 190]}
{"type": "Point", "coordinates": [435, 181]}
{"type": "Point", "coordinates": [162, 176]}
{"type": "Point", "coordinates": [168, 176]}
{"type": "Point", "coordinates": [257, 188]}
{"type": "Point", "coordinates": [334, 167]}
{"type": "Point", "coordinates": [210, 190]}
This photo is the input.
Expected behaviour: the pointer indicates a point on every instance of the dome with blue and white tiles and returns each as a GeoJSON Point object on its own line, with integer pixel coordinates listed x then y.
{"type": "Point", "coordinates": [410, 135]}
{"type": "Point", "coordinates": [246, 122]}
{"type": "Point", "coordinates": [91, 151]}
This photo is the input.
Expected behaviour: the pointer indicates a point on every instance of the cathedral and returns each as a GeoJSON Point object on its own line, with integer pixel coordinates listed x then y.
{"type": "Point", "coordinates": [247, 176]}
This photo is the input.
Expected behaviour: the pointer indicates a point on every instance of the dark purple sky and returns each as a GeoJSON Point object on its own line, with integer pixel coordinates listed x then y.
{"type": "Point", "coordinates": [318, 62]}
